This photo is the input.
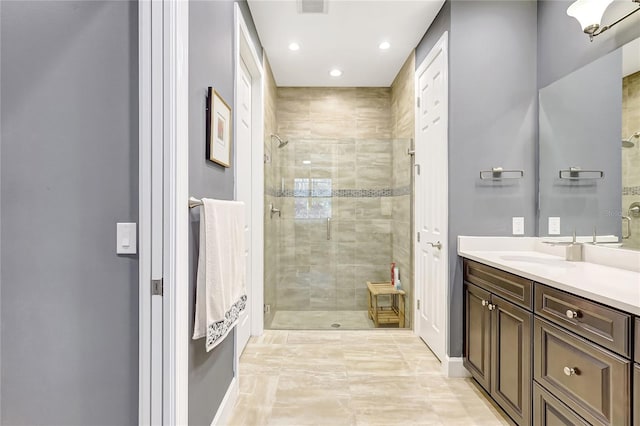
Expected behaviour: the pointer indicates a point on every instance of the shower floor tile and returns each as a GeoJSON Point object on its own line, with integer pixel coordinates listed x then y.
{"type": "Point", "coordinates": [320, 320]}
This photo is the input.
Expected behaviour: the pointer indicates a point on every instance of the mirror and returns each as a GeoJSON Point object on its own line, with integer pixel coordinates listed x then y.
{"type": "Point", "coordinates": [589, 168]}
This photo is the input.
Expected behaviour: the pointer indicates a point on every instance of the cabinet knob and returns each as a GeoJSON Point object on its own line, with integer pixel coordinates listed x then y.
{"type": "Point", "coordinates": [572, 314]}
{"type": "Point", "coordinates": [485, 303]}
{"type": "Point", "coordinates": [570, 371]}
{"type": "Point", "coordinates": [491, 306]}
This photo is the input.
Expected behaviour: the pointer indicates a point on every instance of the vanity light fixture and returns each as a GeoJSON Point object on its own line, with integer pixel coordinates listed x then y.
{"type": "Point", "coordinates": [294, 46]}
{"type": "Point", "coordinates": [335, 72]}
{"type": "Point", "coordinates": [589, 14]}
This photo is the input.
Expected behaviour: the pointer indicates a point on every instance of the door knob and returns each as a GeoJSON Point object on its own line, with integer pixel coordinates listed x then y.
{"type": "Point", "coordinates": [437, 245]}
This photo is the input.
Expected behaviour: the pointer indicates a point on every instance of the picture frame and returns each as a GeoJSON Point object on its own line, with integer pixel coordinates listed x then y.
{"type": "Point", "coordinates": [219, 125]}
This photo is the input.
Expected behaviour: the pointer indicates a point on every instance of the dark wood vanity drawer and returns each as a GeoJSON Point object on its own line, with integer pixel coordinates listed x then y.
{"type": "Point", "coordinates": [637, 339]}
{"type": "Point", "coordinates": [550, 411]}
{"type": "Point", "coordinates": [592, 381]}
{"type": "Point", "coordinates": [598, 323]}
{"type": "Point", "coordinates": [508, 286]}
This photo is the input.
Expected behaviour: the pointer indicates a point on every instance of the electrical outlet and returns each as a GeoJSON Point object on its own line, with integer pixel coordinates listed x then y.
{"type": "Point", "coordinates": [518, 226]}
{"type": "Point", "coordinates": [554, 226]}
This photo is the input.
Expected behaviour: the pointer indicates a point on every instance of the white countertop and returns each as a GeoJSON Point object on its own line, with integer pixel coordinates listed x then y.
{"type": "Point", "coordinates": [612, 286]}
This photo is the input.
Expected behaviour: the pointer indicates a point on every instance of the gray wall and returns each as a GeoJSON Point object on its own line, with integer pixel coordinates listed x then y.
{"type": "Point", "coordinates": [69, 172]}
{"type": "Point", "coordinates": [574, 134]}
{"type": "Point", "coordinates": [563, 48]}
{"type": "Point", "coordinates": [492, 122]}
{"type": "Point", "coordinates": [211, 63]}
{"type": "Point", "coordinates": [439, 25]}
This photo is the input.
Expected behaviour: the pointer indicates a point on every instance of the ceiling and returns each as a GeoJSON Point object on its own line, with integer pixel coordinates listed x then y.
{"type": "Point", "coordinates": [346, 37]}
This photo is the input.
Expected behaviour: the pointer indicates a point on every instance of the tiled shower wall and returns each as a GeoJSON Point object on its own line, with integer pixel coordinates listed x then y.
{"type": "Point", "coordinates": [631, 156]}
{"type": "Point", "coordinates": [271, 171]}
{"type": "Point", "coordinates": [344, 137]}
{"type": "Point", "coordinates": [402, 131]}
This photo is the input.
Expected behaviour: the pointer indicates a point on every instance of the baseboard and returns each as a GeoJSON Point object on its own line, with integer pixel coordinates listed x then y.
{"type": "Point", "coordinates": [452, 367]}
{"type": "Point", "coordinates": [227, 404]}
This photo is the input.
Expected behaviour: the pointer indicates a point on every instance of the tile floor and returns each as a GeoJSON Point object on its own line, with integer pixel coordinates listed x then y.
{"type": "Point", "coordinates": [375, 377]}
{"type": "Point", "coordinates": [320, 320]}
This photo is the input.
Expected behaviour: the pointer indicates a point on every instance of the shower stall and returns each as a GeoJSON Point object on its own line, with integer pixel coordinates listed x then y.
{"type": "Point", "coordinates": [338, 212]}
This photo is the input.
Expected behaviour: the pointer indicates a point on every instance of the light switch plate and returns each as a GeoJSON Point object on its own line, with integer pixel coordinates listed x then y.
{"type": "Point", "coordinates": [518, 226]}
{"type": "Point", "coordinates": [126, 238]}
{"type": "Point", "coordinates": [554, 226]}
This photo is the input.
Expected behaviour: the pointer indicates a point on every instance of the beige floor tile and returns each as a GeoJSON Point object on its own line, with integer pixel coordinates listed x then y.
{"type": "Point", "coordinates": [369, 377]}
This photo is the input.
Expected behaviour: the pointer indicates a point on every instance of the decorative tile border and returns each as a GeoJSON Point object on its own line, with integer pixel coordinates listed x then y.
{"type": "Point", "coordinates": [631, 190]}
{"type": "Point", "coordinates": [340, 193]}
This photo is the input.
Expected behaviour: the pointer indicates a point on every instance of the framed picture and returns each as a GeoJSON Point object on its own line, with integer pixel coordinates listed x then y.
{"type": "Point", "coordinates": [218, 129]}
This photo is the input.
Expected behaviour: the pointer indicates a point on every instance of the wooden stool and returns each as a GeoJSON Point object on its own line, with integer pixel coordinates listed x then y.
{"type": "Point", "coordinates": [393, 314]}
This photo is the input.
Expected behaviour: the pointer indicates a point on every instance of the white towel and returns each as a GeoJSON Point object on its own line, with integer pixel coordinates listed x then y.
{"type": "Point", "coordinates": [220, 288]}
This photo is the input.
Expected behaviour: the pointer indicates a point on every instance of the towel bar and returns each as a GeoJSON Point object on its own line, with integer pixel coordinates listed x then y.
{"type": "Point", "coordinates": [194, 202]}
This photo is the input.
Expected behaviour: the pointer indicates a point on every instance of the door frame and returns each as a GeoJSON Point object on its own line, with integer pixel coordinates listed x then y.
{"type": "Point", "coordinates": [163, 103]}
{"type": "Point", "coordinates": [447, 363]}
{"type": "Point", "coordinates": [245, 50]}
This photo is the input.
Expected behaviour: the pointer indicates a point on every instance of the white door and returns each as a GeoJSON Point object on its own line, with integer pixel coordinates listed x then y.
{"type": "Point", "coordinates": [431, 199]}
{"type": "Point", "coordinates": [243, 190]}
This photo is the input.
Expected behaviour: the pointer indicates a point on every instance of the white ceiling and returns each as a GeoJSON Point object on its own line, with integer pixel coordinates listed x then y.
{"type": "Point", "coordinates": [347, 37]}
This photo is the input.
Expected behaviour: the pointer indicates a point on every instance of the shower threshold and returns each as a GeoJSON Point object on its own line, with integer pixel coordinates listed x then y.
{"type": "Point", "coordinates": [320, 320]}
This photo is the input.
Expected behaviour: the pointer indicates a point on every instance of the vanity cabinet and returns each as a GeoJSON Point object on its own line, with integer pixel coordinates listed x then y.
{"type": "Point", "coordinates": [548, 357]}
{"type": "Point", "coordinates": [636, 375]}
{"type": "Point", "coordinates": [498, 337]}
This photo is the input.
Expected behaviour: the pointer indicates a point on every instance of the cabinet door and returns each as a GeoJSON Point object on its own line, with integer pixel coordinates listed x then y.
{"type": "Point", "coordinates": [477, 318]}
{"type": "Point", "coordinates": [636, 394]}
{"type": "Point", "coordinates": [511, 359]}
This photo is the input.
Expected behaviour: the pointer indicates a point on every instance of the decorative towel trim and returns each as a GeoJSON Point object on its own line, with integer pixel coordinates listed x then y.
{"type": "Point", "coordinates": [217, 331]}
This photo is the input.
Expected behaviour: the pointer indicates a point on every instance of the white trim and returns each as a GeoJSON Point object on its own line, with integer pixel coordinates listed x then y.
{"type": "Point", "coordinates": [144, 212]}
{"type": "Point", "coordinates": [228, 402]}
{"type": "Point", "coordinates": [246, 51]}
{"type": "Point", "coordinates": [454, 368]}
{"type": "Point", "coordinates": [176, 213]}
{"type": "Point", "coordinates": [443, 45]}
{"type": "Point", "coordinates": [163, 214]}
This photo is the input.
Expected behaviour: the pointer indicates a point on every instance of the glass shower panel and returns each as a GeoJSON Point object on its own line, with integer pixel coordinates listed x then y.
{"type": "Point", "coordinates": [336, 231]}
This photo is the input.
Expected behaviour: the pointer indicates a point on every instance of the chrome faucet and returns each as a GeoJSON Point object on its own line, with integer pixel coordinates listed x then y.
{"type": "Point", "coordinates": [573, 249]}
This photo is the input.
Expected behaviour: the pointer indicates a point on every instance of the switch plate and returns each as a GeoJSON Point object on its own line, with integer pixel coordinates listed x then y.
{"type": "Point", "coordinates": [554, 226]}
{"type": "Point", "coordinates": [518, 226]}
{"type": "Point", "coordinates": [126, 238]}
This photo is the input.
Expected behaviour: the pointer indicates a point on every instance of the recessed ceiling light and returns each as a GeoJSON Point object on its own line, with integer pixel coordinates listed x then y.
{"type": "Point", "coordinates": [294, 46]}
{"type": "Point", "coordinates": [306, 162]}
{"type": "Point", "coordinates": [335, 72]}
{"type": "Point", "coordinates": [384, 45]}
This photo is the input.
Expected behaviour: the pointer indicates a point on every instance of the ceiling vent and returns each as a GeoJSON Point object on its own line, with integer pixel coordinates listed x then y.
{"type": "Point", "coordinates": [312, 6]}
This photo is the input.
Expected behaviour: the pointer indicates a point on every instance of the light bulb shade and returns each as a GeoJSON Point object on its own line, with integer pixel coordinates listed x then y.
{"type": "Point", "coordinates": [588, 12]}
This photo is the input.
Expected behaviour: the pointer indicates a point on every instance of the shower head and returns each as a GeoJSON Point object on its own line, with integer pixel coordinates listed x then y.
{"type": "Point", "coordinates": [281, 143]}
{"type": "Point", "coordinates": [627, 143]}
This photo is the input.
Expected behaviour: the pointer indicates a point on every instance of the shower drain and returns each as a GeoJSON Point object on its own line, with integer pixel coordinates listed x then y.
{"type": "Point", "coordinates": [335, 325]}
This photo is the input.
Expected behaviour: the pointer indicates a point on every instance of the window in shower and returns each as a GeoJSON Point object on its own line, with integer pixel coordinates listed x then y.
{"type": "Point", "coordinates": [312, 198]}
